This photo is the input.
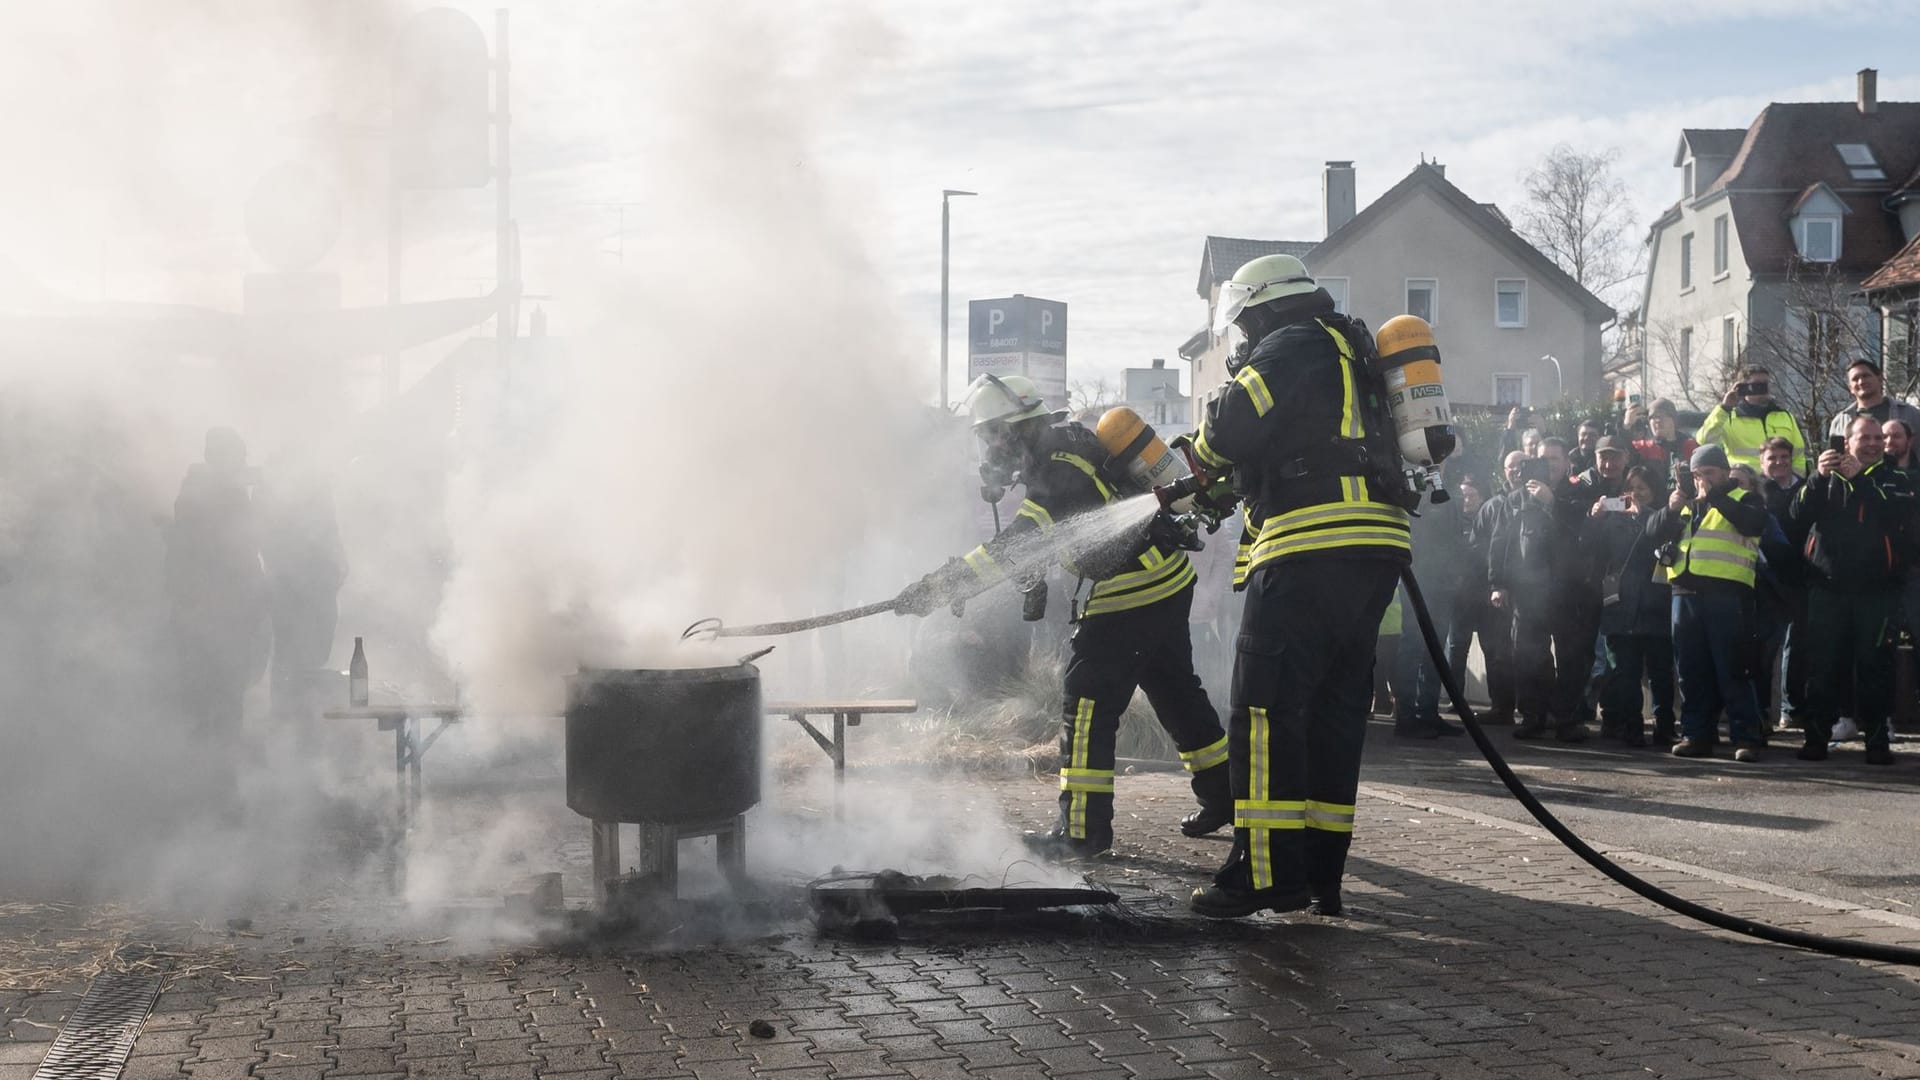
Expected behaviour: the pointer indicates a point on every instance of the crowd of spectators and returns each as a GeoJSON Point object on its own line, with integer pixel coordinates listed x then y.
{"type": "Point", "coordinates": [1737, 581]}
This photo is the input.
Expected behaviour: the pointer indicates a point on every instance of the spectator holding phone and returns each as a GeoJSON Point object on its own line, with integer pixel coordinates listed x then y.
{"type": "Point", "coordinates": [1519, 419]}
{"type": "Point", "coordinates": [1636, 615]}
{"type": "Point", "coordinates": [1747, 417]}
{"type": "Point", "coordinates": [1664, 447]}
{"type": "Point", "coordinates": [1709, 541]}
{"type": "Point", "coordinates": [1496, 633]}
{"type": "Point", "coordinates": [1856, 514]}
{"type": "Point", "coordinates": [1870, 398]}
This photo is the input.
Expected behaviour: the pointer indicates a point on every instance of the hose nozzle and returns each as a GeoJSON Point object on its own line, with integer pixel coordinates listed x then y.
{"type": "Point", "coordinates": [1177, 497]}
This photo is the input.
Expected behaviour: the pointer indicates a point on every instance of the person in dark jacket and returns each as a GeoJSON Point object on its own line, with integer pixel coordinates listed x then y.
{"type": "Point", "coordinates": [1535, 570]}
{"type": "Point", "coordinates": [1472, 615]}
{"type": "Point", "coordinates": [1784, 673]}
{"type": "Point", "coordinates": [1664, 446]}
{"type": "Point", "coordinates": [1440, 564]}
{"type": "Point", "coordinates": [1710, 544]}
{"type": "Point", "coordinates": [1636, 615]}
{"type": "Point", "coordinates": [1856, 514]}
{"type": "Point", "coordinates": [1496, 635]}
{"type": "Point", "coordinates": [216, 587]}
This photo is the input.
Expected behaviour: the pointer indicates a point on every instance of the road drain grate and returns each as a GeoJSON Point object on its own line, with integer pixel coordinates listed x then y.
{"type": "Point", "coordinates": [95, 1042]}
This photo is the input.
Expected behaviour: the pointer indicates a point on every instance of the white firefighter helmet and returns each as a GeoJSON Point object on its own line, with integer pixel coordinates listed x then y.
{"type": "Point", "coordinates": [1268, 277]}
{"type": "Point", "coordinates": [1008, 400]}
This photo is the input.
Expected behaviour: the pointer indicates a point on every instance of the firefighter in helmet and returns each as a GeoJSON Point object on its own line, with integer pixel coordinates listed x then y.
{"type": "Point", "coordinates": [1132, 631]}
{"type": "Point", "coordinates": [1310, 445]}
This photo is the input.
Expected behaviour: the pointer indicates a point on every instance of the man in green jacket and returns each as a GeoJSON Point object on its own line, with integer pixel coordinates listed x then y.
{"type": "Point", "coordinates": [1747, 417]}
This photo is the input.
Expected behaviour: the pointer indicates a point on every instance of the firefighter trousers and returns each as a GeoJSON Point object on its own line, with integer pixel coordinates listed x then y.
{"type": "Point", "coordinates": [1112, 655]}
{"type": "Point", "coordinates": [1302, 693]}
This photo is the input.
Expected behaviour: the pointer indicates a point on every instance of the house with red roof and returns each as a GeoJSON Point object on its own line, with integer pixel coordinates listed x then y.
{"type": "Point", "coordinates": [1778, 230]}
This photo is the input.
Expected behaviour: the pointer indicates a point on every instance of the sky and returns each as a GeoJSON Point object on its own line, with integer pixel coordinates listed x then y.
{"type": "Point", "coordinates": [1105, 139]}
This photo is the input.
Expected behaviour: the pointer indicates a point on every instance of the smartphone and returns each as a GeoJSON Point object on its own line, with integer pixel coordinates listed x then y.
{"type": "Point", "coordinates": [1533, 469]}
{"type": "Point", "coordinates": [1614, 504]}
{"type": "Point", "coordinates": [1683, 480]}
{"type": "Point", "coordinates": [1837, 442]}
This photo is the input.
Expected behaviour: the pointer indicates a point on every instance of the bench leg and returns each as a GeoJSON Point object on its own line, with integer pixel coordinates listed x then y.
{"type": "Point", "coordinates": [839, 764]}
{"type": "Point", "coordinates": [606, 858]}
{"type": "Point", "coordinates": [730, 848]}
{"type": "Point", "coordinates": [660, 855]}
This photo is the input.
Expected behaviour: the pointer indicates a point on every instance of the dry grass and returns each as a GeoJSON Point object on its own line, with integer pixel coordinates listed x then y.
{"type": "Point", "coordinates": [63, 946]}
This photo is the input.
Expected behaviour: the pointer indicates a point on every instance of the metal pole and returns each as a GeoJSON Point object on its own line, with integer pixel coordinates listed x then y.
{"type": "Point", "coordinates": [945, 217]}
{"type": "Point", "coordinates": [390, 363]}
{"type": "Point", "coordinates": [507, 321]}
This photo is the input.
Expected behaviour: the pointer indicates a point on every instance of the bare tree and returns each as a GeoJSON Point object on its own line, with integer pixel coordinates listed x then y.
{"type": "Point", "coordinates": [1823, 328]}
{"type": "Point", "coordinates": [1578, 215]}
{"type": "Point", "coordinates": [1675, 358]}
{"type": "Point", "coordinates": [1084, 395]}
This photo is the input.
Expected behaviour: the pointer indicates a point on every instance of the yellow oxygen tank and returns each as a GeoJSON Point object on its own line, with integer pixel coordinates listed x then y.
{"type": "Point", "coordinates": [1409, 362]}
{"type": "Point", "coordinates": [1142, 456]}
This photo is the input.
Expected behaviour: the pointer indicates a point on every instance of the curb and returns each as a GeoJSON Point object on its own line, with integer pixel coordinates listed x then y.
{"type": "Point", "coordinates": [1627, 855]}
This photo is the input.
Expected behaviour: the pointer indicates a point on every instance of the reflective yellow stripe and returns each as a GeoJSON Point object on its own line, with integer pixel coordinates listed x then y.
{"type": "Point", "coordinates": [1077, 797]}
{"type": "Point", "coordinates": [1259, 746]}
{"type": "Point", "coordinates": [1329, 817]}
{"type": "Point", "coordinates": [1265, 814]}
{"type": "Point", "coordinates": [1037, 513]}
{"type": "Point", "coordinates": [1351, 425]}
{"type": "Point", "coordinates": [1256, 387]}
{"type": "Point", "coordinates": [1322, 539]}
{"type": "Point", "coordinates": [1214, 753]}
{"type": "Point", "coordinates": [1206, 453]}
{"type": "Point", "coordinates": [1141, 587]}
{"type": "Point", "coordinates": [1086, 466]}
{"type": "Point", "coordinates": [1380, 513]}
{"type": "Point", "coordinates": [984, 567]}
{"type": "Point", "coordinates": [1096, 781]}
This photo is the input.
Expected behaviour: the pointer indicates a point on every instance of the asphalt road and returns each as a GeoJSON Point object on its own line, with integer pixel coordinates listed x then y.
{"type": "Point", "coordinates": [1839, 828]}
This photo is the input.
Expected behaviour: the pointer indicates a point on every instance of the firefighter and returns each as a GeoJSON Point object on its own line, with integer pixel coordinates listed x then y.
{"type": "Point", "coordinates": [1311, 449]}
{"type": "Point", "coordinates": [1132, 632]}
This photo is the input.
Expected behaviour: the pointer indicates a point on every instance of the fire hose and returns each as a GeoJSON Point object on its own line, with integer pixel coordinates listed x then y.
{"type": "Point", "coordinates": [1858, 950]}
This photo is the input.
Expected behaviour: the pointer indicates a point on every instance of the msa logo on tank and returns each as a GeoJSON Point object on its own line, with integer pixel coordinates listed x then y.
{"type": "Point", "coordinates": [1020, 335]}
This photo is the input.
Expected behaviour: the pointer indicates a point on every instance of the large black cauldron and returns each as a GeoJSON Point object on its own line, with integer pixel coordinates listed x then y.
{"type": "Point", "coordinates": [672, 746]}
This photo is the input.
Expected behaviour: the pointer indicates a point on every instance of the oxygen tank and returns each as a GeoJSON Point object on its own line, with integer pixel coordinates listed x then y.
{"type": "Point", "coordinates": [1136, 452]}
{"type": "Point", "coordinates": [1409, 363]}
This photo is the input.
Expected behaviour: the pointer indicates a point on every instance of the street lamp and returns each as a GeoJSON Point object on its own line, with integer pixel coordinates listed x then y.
{"type": "Point", "coordinates": [945, 245]}
{"type": "Point", "coordinates": [1558, 375]}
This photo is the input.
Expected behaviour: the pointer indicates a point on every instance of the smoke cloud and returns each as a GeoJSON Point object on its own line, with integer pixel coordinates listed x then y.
{"type": "Point", "coordinates": [725, 420]}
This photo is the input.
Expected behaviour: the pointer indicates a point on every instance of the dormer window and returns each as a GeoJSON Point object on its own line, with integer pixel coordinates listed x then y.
{"type": "Point", "coordinates": [1861, 164]}
{"type": "Point", "coordinates": [1686, 180]}
{"type": "Point", "coordinates": [1819, 238]}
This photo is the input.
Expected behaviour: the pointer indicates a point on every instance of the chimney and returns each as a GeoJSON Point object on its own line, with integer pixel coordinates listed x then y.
{"type": "Point", "coordinates": [1336, 190]}
{"type": "Point", "coordinates": [1869, 95]}
{"type": "Point", "coordinates": [1159, 362]}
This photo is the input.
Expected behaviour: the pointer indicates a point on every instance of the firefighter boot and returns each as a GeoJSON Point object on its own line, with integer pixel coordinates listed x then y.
{"type": "Point", "coordinates": [1232, 895]}
{"type": "Point", "coordinates": [1214, 790]}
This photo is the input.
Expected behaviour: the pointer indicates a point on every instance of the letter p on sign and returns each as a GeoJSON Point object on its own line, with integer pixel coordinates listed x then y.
{"type": "Point", "coordinates": [1046, 323]}
{"type": "Point", "coordinates": [995, 316]}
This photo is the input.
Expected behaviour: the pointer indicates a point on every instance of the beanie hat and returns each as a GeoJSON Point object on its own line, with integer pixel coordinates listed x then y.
{"type": "Point", "coordinates": [1709, 454]}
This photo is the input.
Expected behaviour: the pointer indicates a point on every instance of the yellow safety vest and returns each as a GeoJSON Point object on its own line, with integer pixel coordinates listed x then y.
{"type": "Point", "coordinates": [1715, 550]}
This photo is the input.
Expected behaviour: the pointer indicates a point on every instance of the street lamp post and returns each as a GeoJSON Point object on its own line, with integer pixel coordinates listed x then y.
{"type": "Point", "coordinates": [1558, 375]}
{"type": "Point", "coordinates": [946, 196]}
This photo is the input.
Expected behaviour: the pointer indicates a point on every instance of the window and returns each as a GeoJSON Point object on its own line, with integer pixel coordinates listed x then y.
{"type": "Point", "coordinates": [1899, 343]}
{"type": "Point", "coordinates": [1423, 298]}
{"type": "Point", "coordinates": [1337, 288]}
{"type": "Point", "coordinates": [1510, 303]}
{"type": "Point", "coordinates": [1719, 245]}
{"type": "Point", "coordinates": [1686, 262]}
{"type": "Point", "coordinates": [1686, 346]}
{"type": "Point", "coordinates": [1730, 342]}
{"type": "Point", "coordinates": [1686, 180]}
{"type": "Point", "coordinates": [1819, 238]}
{"type": "Point", "coordinates": [1861, 164]}
{"type": "Point", "coordinates": [1509, 390]}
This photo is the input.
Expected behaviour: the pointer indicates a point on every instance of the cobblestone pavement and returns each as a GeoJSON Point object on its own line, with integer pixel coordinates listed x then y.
{"type": "Point", "coordinates": [1470, 949]}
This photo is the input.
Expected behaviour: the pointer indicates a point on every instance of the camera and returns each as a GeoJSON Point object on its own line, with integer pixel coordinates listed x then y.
{"type": "Point", "coordinates": [1666, 554]}
{"type": "Point", "coordinates": [1753, 387]}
